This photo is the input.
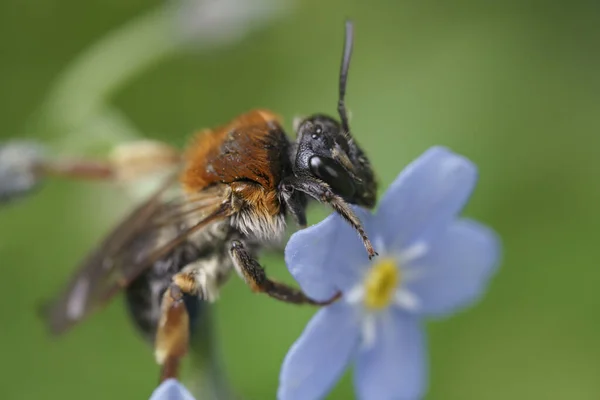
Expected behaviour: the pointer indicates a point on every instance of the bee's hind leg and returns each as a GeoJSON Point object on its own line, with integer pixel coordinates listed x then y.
{"type": "Point", "coordinates": [254, 275]}
{"type": "Point", "coordinates": [173, 332]}
{"type": "Point", "coordinates": [126, 162]}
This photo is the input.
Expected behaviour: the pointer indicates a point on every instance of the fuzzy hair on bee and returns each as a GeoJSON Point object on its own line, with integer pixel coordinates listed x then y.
{"type": "Point", "coordinates": [250, 154]}
{"type": "Point", "coordinates": [234, 189]}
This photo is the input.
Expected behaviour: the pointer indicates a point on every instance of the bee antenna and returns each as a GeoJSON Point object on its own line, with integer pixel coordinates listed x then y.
{"type": "Point", "coordinates": [346, 56]}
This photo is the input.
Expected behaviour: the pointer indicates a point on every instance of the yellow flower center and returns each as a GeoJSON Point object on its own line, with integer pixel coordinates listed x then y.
{"type": "Point", "coordinates": [381, 283]}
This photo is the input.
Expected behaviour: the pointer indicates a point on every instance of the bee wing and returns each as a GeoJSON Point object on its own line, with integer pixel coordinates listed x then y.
{"type": "Point", "coordinates": [150, 232]}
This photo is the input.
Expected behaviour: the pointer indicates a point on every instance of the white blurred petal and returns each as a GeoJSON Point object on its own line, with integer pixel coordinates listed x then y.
{"type": "Point", "coordinates": [211, 22]}
{"type": "Point", "coordinates": [17, 163]}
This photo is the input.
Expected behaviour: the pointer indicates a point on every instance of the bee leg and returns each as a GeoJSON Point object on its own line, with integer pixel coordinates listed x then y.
{"type": "Point", "coordinates": [142, 158]}
{"type": "Point", "coordinates": [173, 333]}
{"type": "Point", "coordinates": [127, 161]}
{"type": "Point", "coordinates": [77, 169]}
{"type": "Point", "coordinates": [254, 275]}
{"type": "Point", "coordinates": [321, 191]}
{"type": "Point", "coordinates": [295, 202]}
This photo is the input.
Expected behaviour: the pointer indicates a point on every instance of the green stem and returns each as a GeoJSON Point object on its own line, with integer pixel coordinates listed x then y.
{"type": "Point", "coordinates": [92, 78]}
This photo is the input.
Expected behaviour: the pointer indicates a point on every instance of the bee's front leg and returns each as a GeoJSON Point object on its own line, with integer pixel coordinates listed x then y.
{"type": "Point", "coordinates": [321, 191]}
{"type": "Point", "coordinates": [295, 202]}
{"type": "Point", "coordinates": [254, 275]}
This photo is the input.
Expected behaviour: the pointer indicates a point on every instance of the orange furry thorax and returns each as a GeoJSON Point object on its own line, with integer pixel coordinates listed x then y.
{"type": "Point", "coordinates": [248, 154]}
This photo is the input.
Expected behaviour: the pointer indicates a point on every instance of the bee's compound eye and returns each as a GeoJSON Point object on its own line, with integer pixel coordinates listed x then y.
{"type": "Point", "coordinates": [333, 174]}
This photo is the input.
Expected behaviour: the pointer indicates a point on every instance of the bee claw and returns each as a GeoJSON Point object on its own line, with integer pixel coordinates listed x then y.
{"type": "Point", "coordinates": [335, 298]}
{"type": "Point", "coordinates": [327, 302]}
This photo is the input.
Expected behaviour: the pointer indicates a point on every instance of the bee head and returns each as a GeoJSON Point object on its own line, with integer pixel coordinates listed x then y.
{"type": "Point", "coordinates": [327, 150]}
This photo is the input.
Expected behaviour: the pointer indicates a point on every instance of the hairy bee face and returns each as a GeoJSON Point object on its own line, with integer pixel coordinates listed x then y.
{"type": "Point", "coordinates": [331, 154]}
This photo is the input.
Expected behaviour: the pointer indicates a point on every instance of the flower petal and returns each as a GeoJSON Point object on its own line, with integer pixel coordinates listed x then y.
{"type": "Point", "coordinates": [396, 366]}
{"type": "Point", "coordinates": [319, 357]}
{"type": "Point", "coordinates": [171, 389]}
{"type": "Point", "coordinates": [328, 256]}
{"type": "Point", "coordinates": [456, 271]}
{"type": "Point", "coordinates": [427, 194]}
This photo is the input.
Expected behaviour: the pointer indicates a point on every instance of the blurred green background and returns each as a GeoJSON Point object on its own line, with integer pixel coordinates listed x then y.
{"type": "Point", "coordinates": [514, 86]}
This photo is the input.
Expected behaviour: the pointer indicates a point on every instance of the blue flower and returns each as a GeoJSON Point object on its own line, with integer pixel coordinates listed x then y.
{"type": "Point", "coordinates": [431, 263]}
{"type": "Point", "coordinates": [171, 389]}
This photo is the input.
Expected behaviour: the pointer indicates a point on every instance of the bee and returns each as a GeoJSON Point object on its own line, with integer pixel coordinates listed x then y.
{"type": "Point", "coordinates": [235, 186]}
